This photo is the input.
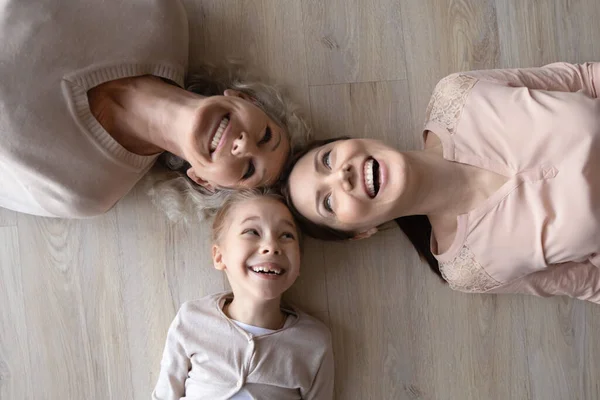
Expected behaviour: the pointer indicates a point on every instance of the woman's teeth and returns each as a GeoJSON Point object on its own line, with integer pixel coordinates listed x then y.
{"type": "Point", "coordinates": [267, 270]}
{"type": "Point", "coordinates": [370, 172]}
{"type": "Point", "coordinates": [217, 138]}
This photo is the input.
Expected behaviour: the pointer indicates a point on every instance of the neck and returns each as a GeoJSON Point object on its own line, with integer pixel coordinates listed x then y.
{"type": "Point", "coordinates": [144, 114]}
{"type": "Point", "coordinates": [262, 313]}
{"type": "Point", "coordinates": [434, 186]}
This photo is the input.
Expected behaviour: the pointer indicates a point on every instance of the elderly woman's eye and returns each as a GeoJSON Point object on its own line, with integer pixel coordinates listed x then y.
{"type": "Point", "coordinates": [249, 171]}
{"type": "Point", "coordinates": [327, 159]}
{"type": "Point", "coordinates": [267, 136]}
{"type": "Point", "coordinates": [327, 203]}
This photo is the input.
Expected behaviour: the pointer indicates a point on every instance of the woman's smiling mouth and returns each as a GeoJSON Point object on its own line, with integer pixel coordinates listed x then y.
{"type": "Point", "coordinates": [371, 177]}
{"type": "Point", "coordinates": [217, 139]}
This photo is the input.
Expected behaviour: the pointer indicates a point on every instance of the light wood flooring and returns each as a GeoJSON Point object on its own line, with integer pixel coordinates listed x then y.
{"type": "Point", "coordinates": [85, 305]}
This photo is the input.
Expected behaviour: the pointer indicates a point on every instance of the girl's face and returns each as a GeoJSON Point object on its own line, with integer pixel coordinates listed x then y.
{"type": "Point", "coordinates": [259, 250]}
{"type": "Point", "coordinates": [349, 185]}
{"type": "Point", "coordinates": [235, 145]}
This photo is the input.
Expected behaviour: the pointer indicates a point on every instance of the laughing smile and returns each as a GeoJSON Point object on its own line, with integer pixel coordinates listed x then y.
{"type": "Point", "coordinates": [215, 143]}
{"type": "Point", "coordinates": [371, 177]}
{"type": "Point", "coordinates": [267, 269]}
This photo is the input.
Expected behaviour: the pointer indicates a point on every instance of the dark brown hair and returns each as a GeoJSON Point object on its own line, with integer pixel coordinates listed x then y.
{"type": "Point", "coordinates": [417, 228]}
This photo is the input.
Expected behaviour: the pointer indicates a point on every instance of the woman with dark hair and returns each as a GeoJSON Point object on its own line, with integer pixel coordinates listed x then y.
{"type": "Point", "coordinates": [504, 197]}
{"type": "Point", "coordinates": [93, 92]}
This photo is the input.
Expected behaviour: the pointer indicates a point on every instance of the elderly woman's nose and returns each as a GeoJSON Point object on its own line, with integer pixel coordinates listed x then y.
{"type": "Point", "coordinates": [240, 144]}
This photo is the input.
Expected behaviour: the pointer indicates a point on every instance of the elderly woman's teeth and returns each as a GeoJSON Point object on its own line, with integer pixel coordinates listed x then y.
{"type": "Point", "coordinates": [369, 179]}
{"type": "Point", "coordinates": [217, 138]}
{"type": "Point", "coordinates": [265, 270]}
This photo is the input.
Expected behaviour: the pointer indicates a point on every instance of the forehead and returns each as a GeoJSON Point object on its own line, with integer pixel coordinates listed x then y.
{"type": "Point", "coordinates": [263, 210]}
{"type": "Point", "coordinates": [275, 162]}
{"type": "Point", "coordinates": [304, 183]}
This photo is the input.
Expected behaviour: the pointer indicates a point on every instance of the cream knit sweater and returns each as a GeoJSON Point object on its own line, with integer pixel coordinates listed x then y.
{"type": "Point", "coordinates": [55, 158]}
{"type": "Point", "coordinates": [207, 356]}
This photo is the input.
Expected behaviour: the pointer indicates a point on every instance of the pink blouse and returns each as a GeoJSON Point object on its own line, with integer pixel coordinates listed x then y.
{"type": "Point", "coordinates": [540, 127]}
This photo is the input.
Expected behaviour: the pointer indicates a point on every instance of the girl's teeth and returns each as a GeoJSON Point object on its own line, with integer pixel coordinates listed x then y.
{"type": "Point", "coordinates": [266, 270]}
{"type": "Point", "coordinates": [217, 138]}
{"type": "Point", "coordinates": [368, 173]}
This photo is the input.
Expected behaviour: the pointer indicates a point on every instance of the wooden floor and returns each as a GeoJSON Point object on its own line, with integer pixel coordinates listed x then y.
{"type": "Point", "coordinates": [85, 305]}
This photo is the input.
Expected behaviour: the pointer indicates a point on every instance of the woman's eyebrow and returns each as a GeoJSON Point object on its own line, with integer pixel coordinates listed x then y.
{"type": "Point", "coordinates": [276, 145]}
{"type": "Point", "coordinates": [317, 197]}
{"type": "Point", "coordinates": [318, 194]}
{"type": "Point", "coordinates": [316, 162]}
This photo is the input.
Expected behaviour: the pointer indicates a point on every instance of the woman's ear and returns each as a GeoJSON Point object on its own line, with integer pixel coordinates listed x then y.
{"type": "Point", "coordinates": [242, 95]}
{"type": "Point", "coordinates": [365, 234]}
{"type": "Point", "coordinates": [217, 257]}
{"type": "Point", "coordinates": [202, 182]}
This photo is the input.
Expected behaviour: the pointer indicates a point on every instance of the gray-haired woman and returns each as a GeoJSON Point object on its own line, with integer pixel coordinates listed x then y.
{"type": "Point", "coordinates": [93, 92]}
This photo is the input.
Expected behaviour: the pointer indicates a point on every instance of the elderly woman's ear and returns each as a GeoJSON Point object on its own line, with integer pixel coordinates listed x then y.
{"type": "Point", "coordinates": [202, 182]}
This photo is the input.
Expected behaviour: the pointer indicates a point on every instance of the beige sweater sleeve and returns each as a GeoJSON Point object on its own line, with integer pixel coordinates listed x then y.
{"type": "Point", "coordinates": [174, 366]}
{"type": "Point", "coordinates": [322, 387]}
{"type": "Point", "coordinates": [578, 280]}
{"type": "Point", "coordinates": [559, 77]}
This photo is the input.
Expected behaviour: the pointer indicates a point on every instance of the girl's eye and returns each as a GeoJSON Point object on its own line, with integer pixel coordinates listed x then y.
{"type": "Point", "coordinates": [250, 231]}
{"type": "Point", "coordinates": [288, 235]}
{"type": "Point", "coordinates": [249, 171]}
{"type": "Point", "coordinates": [327, 160]}
{"type": "Point", "coordinates": [327, 203]}
{"type": "Point", "coordinates": [267, 137]}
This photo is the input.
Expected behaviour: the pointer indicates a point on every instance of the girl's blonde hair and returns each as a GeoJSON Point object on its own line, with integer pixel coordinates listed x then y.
{"type": "Point", "coordinates": [168, 184]}
{"type": "Point", "coordinates": [220, 221]}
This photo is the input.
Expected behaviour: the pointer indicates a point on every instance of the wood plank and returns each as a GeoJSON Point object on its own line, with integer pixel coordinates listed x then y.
{"type": "Point", "coordinates": [267, 34]}
{"type": "Point", "coordinates": [58, 339]}
{"type": "Point", "coordinates": [350, 41]}
{"type": "Point", "coordinates": [7, 217]}
{"type": "Point", "coordinates": [15, 366]}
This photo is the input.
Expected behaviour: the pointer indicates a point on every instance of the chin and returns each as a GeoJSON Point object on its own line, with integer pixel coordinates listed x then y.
{"type": "Point", "coordinates": [267, 295]}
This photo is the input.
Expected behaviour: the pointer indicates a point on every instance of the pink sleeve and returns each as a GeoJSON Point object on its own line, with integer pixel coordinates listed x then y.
{"type": "Point", "coordinates": [578, 280]}
{"type": "Point", "coordinates": [558, 77]}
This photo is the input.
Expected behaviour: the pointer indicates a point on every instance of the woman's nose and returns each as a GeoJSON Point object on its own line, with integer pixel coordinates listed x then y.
{"type": "Point", "coordinates": [240, 145]}
{"type": "Point", "coordinates": [344, 175]}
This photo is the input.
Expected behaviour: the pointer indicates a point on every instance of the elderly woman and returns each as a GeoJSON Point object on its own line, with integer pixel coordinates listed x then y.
{"type": "Point", "coordinates": [505, 195]}
{"type": "Point", "coordinates": [93, 92]}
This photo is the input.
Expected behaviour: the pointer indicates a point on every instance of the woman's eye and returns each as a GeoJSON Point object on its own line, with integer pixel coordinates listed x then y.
{"type": "Point", "coordinates": [249, 171]}
{"type": "Point", "coordinates": [327, 160]}
{"type": "Point", "coordinates": [288, 235]}
{"type": "Point", "coordinates": [251, 232]}
{"type": "Point", "coordinates": [267, 137]}
{"type": "Point", "coordinates": [327, 203]}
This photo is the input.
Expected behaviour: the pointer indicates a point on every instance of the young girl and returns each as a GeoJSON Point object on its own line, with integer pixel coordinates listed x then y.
{"type": "Point", "coordinates": [246, 344]}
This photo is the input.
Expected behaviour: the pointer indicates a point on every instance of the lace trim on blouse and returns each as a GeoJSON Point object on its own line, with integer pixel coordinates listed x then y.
{"type": "Point", "coordinates": [465, 274]}
{"type": "Point", "coordinates": [448, 100]}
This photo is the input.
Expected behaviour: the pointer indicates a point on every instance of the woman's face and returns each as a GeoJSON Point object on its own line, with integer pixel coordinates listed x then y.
{"type": "Point", "coordinates": [350, 185]}
{"type": "Point", "coordinates": [235, 144]}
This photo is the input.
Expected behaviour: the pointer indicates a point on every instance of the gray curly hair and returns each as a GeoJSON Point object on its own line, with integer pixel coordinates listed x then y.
{"type": "Point", "coordinates": [168, 184]}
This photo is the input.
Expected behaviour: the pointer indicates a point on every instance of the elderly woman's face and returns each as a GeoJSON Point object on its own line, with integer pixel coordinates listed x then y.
{"type": "Point", "coordinates": [236, 145]}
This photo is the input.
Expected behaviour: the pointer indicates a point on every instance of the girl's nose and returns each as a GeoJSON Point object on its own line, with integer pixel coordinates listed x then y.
{"type": "Point", "coordinates": [269, 247]}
